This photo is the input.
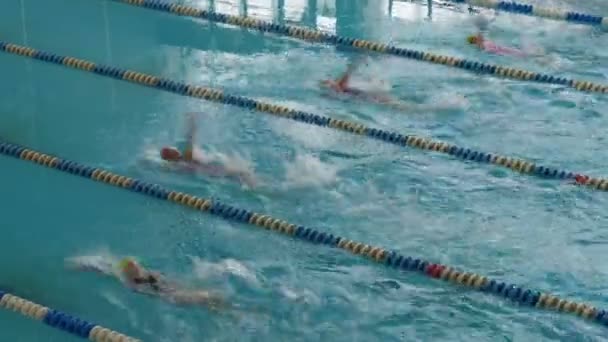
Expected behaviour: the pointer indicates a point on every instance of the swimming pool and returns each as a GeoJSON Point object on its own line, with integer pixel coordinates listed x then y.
{"type": "Point", "coordinates": [540, 233]}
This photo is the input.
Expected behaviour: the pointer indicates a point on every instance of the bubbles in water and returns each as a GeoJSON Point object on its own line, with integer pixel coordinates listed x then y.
{"type": "Point", "coordinates": [307, 135]}
{"type": "Point", "coordinates": [450, 100]}
{"type": "Point", "coordinates": [482, 22]}
{"type": "Point", "coordinates": [102, 262]}
{"type": "Point", "coordinates": [206, 269]}
{"type": "Point", "coordinates": [150, 153]}
{"type": "Point", "coordinates": [299, 296]}
{"type": "Point", "coordinates": [233, 160]}
{"type": "Point", "coordinates": [307, 170]}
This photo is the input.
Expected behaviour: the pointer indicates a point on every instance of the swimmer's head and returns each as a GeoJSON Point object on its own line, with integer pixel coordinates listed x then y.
{"type": "Point", "coordinates": [473, 39]}
{"type": "Point", "coordinates": [126, 262]}
{"type": "Point", "coordinates": [129, 267]}
{"type": "Point", "coordinates": [170, 154]}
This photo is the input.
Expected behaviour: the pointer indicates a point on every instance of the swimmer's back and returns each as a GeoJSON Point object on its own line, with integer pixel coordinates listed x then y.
{"type": "Point", "coordinates": [501, 50]}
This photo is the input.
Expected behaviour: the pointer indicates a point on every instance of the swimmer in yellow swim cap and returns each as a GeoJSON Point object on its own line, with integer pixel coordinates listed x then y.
{"type": "Point", "coordinates": [152, 283]}
{"type": "Point", "coordinates": [135, 275]}
{"type": "Point", "coordinates": [489, 46]}
{"type": "Point", "coordinates": [475, 39]}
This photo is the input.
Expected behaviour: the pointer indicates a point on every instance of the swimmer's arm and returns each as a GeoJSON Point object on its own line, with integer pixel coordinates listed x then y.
{"type": "Point", "coordinates": [190, 135]}
{"type": "Point", "coordinates": [158, 277]}
{"type": "Point", "coordinates": [191, 132]}
{"type": "Point", "coordinates": [343, 80]}
{"type": "Point", "coordinates": [202, 298]}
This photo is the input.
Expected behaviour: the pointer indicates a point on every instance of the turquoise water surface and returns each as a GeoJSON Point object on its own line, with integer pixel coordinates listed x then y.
{"type": "Point", "coordinates": [543, 234]}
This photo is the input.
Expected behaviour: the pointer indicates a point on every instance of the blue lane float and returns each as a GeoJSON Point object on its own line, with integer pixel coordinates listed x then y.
{"type": "Point", "coordinates": [61, 320]}
{"type": "Point", "coordinates": [316, 36]}
{"type": "Point", "coordinates": [218, 96]}
{"type": "Point", "coordinates": [521, 295]}
{"type": "Point", "coordinates": [542, 12]}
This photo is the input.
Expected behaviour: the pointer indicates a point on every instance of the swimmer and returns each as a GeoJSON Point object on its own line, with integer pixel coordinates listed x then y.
{"type": "Point", "coordinates": [148, 282]}
{"type": "Point", "coordinates": [190, 159]}
{"type": "Point", "coordinates": [185, 150]}
{"type": "Point", "coordinates": [535, 53]}
{"type": "Point", "coordinates": [342, 86]}
{"type": "Point", "coordinates": [483, 24]}
{"type": "Point", "coordinates": [489, 46]}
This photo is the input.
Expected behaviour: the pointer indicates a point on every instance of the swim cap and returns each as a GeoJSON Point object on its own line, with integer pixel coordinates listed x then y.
{"type": "Point", "coordinates": [125, 262]}
{"type": "Point", "coordinates": [472, 39]}
{"type": "Point", "coordinates": [170, 153]}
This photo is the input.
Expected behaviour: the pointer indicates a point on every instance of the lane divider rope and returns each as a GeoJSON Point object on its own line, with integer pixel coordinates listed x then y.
{"type": "Point", "coordinates": [394, 138]}
{"type": "Point", "coordinates": [316, 36]}
{"type": "Point", "coordinates": [61, 320]}
{"type": "Point", "coordinates": [518, 294]}
{"type": "Point", "coordinates": [543, 12]}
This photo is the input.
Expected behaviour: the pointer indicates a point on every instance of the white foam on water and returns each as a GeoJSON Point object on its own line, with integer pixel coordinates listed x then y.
{"type": "Point", "coordinates": [103, 262]}
{"type": "Point", "coordinates": [371, 84]}
{"type": "Point", "coordinates": [307, 170]}
{"type": "Point", "coordinates": [449, 100]}
{"type": "Point", "coordinates": [302, 296]}
{"type": "Point", "coordinates": [205, 269]}
{"type": "Point", "coordinates": [233, 160]}
{"type": "Point", "coordinates": [306, 135]}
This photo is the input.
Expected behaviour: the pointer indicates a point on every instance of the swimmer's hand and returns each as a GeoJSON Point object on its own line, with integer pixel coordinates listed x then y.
{"type": "Point", "coordinates": [247, 179]}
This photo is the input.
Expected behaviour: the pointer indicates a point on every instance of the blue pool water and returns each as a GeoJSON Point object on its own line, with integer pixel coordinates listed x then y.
{"type": "Point", "coordinates": [537, 233]}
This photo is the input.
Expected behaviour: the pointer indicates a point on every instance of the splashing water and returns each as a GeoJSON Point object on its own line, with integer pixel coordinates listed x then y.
{"type": "Point", "coordinates": [308, 170]}
{"type": "Point", "coordinates": [206, 269]}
